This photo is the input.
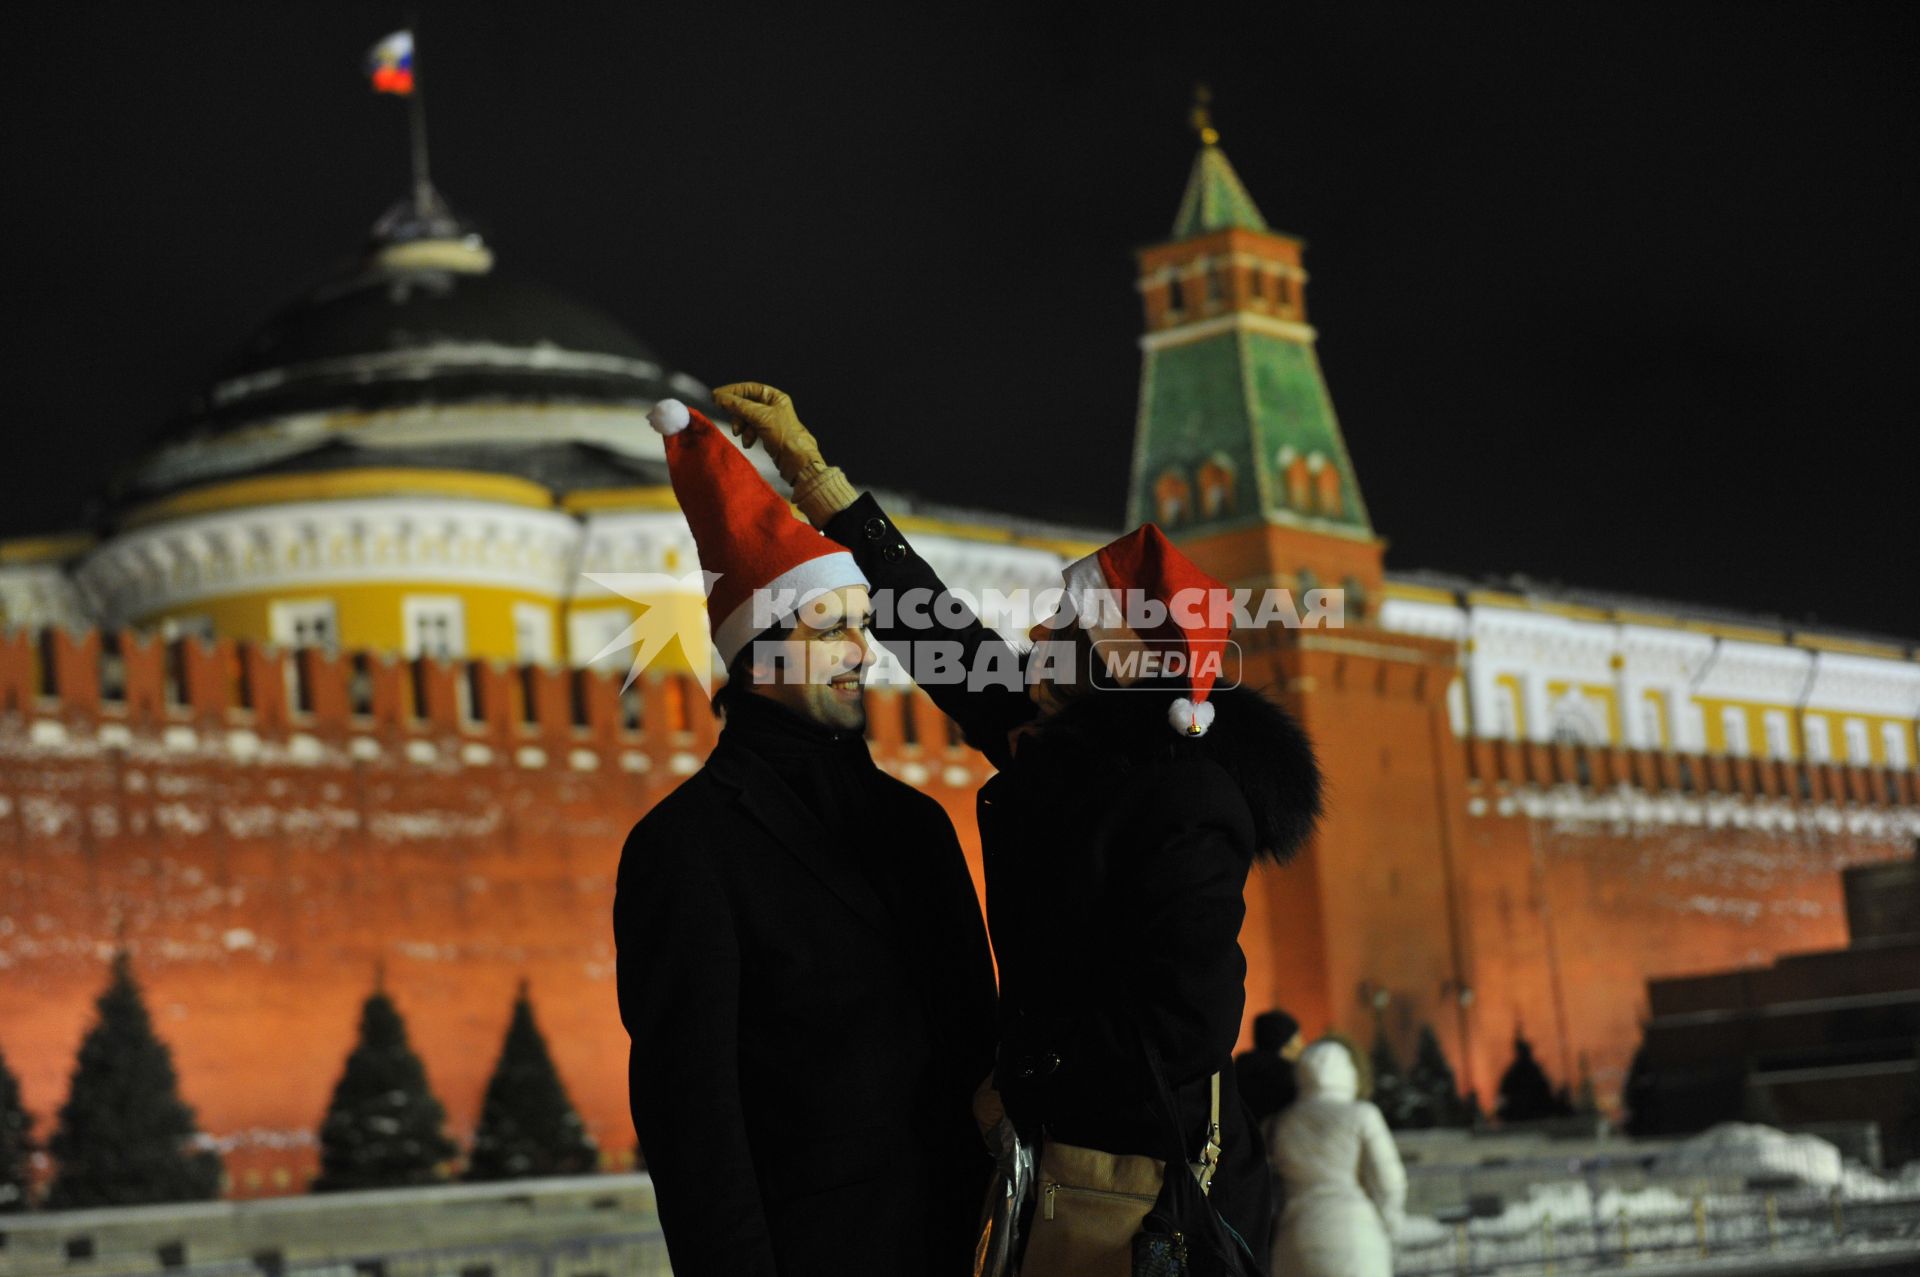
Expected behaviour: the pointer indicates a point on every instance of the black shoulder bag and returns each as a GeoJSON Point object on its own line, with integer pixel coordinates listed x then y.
{"type": "Point", "coordinates": [1183, 1236]}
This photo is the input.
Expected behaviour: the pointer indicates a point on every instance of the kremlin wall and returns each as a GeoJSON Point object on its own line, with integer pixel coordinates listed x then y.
{"type": "Point", "coordinates": [324, 692]}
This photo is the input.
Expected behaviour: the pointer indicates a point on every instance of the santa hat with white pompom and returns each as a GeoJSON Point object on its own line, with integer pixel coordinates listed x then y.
{"type": "Point", "coordinates": [1144, 565]}
{"type": "Point", "coordinates": [744, 531]}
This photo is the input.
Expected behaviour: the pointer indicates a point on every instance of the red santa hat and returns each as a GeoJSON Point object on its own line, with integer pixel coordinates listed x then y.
{"type": "Point", "coordinates": [1143, 564]}
{"type": "Point", "coordinates": [744, 531]}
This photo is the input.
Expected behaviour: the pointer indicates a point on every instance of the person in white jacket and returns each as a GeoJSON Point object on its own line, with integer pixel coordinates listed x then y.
{"type": "Point", "coordinates": [1345, 1187]}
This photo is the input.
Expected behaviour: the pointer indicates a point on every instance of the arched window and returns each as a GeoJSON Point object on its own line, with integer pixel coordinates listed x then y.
{"type": "Point", "coordinates": [1172, 498]}
{"type": "Point", "coordinates": [1299, 484]}
{"type": "Point", "coordinates": [1215, 289]}
{"type": "Point", "coordinates": [1326, 484]}
{"type": "Point", "coordinates": [1176, 295]}
{"type": "Point", "coordinates": [1215, 478]}
{"type": "Point", "coordinates": [1257, 284]}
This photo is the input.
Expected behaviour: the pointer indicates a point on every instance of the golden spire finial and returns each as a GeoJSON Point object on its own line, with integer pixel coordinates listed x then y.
{"type": "Point", "coordinates": [1202, 116]}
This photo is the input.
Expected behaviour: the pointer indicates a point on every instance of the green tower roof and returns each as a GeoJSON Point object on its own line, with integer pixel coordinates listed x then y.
{"type": "Point", "coordinates": [1215, 199]}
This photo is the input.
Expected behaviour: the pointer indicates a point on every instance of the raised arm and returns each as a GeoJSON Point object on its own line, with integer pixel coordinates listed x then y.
{"type": "Point", "coordinates": [679, 983]}
{"type": "Point", "coordinates": [932, 634]}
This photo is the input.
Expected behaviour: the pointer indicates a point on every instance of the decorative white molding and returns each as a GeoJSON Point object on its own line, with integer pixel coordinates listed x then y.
{"type": "Point", "coordinates": [317, 545]}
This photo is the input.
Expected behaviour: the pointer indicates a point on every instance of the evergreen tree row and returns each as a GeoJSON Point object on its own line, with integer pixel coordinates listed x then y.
{"type": "Point", "coordinates": [1426, 1095]}
{"type": "Point", "coordinates": [124, 1137]}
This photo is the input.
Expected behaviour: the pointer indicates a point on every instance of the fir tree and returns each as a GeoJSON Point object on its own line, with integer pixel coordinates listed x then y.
{"type": "Point", "coordinates": [383, 1127]}
{"type": "Point", "coordinates": [16, 1141]}
{"type": "Point", "coordinates": [528, 1126]}
{"type": "Point", "coordinates": [1432, 1084]}
{"type": "Point", "coordinates": [123, 1136]}
{"type": "Point", "coordinates": [1525, 1093]}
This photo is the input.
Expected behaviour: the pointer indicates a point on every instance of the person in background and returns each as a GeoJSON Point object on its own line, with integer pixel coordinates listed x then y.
{"type": "Point", "coordinates": [1345, 1186]}
{"type": "Point", "coordinates": [1266, 1072]}
{"type": "Point", "coordinates": [1266, 1080]}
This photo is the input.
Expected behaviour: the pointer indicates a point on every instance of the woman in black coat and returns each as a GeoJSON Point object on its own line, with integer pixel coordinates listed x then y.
{"type": "Point", "coordinates": [1116, 854]}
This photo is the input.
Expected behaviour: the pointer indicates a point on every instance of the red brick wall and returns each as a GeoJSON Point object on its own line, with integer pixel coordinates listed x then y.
{"type": "Point", "coordinates": [261, 860]}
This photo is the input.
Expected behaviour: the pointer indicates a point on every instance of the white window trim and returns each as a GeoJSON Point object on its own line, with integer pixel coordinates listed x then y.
{"type": "Point", "coordinates": [286, 618]}
{"type": "Point", "coordinates": [414, 608]}
{"type": "Point", "coordinates": [535, 618]}
{"type": "Point", "coordinates": [1734, 729]}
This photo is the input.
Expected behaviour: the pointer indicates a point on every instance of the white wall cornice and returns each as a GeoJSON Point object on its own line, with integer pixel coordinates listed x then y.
{"type": "Point", "coordinates": [316, 545]}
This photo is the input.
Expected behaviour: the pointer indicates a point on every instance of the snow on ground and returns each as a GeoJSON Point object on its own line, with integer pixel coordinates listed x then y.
{"type": "Point", "coordinates": [1577, 1223]}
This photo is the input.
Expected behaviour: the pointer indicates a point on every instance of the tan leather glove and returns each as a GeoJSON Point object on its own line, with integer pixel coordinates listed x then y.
{"type": "Point", "coordinates": [763, 413]}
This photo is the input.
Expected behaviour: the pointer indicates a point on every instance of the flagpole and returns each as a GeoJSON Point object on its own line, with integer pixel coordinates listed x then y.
{"type": "Point", "coordinates": [417, 126]}
{"type": "Point", "coordinates": [417, 121]}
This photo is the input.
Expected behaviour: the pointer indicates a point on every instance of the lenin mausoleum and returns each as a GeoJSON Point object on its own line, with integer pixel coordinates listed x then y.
{"type": "Point", "coordinates": [317, 695]}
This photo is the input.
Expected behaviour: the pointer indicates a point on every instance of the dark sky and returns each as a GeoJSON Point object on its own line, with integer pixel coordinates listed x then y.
{"type": "Point", "coordinates": [1619, 296]}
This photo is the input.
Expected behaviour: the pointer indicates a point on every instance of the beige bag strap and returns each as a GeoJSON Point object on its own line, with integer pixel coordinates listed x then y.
{"type": "Point", "coordinates": [1210, 1155]}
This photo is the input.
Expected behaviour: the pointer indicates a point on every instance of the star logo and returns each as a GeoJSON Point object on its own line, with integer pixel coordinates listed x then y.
{"type": "Point", "coordinates": [654, 630]}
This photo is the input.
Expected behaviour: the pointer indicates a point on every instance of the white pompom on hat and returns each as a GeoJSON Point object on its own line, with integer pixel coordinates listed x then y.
{"type": "Point", "coordinates": [1190, 719]}
{"type": "Point", "coordinates": [669, 417]}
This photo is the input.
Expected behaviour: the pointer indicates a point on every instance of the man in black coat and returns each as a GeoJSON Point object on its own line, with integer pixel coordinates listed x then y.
{"type": "Point", "coordinates": [803, 969]}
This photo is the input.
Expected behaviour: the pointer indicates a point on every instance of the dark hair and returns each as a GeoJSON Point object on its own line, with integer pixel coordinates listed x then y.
{"type": "Point", "coordinates": [1272, 1030]}
{"type": "Point", "coordinates": [740, 670]}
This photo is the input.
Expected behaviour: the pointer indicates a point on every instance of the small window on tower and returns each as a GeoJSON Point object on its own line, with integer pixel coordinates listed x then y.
{"type": "Point", "coordinates": [1356, 599]}
{"type": "Point", "coordinates": [1176, 295]}
{"type": "Point", "coordinates": [1257, 283]}
{"type": "Point", "coordinates": [1216, 489]}
{"type": "Point", "coordinates": [1326, 486]}
{"type": "Point", "coordinates": [1299, 484]}
{"type": "Point", "coordinates": [1171, 498]}
{"type": "Point", "coordinates": [1215, 290]}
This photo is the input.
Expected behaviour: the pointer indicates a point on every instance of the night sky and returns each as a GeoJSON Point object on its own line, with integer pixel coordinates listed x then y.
{"type": "Point", "coordinates": [1622, 297]}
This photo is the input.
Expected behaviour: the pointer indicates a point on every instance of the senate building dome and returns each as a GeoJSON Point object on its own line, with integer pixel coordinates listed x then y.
{"type": "Point", "coordinates": [422, 456]}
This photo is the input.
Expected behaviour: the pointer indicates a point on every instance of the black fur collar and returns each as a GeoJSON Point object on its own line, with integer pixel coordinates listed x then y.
{"type": "Point", "coordinates": [1256, 741]}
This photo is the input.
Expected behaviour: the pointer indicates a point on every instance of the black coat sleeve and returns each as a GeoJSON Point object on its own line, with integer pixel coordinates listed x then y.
{"type": "Point", "coordinates": [989, 703]}
{"type": "Point", "coordinates": [679, 984]}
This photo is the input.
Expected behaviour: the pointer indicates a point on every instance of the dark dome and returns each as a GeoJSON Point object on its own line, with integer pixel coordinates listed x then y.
{"type": "Point", "coordinates": [391, 336]}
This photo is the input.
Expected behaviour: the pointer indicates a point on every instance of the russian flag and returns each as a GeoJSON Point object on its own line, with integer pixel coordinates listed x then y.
{"type": "Point", "coordinates": [390, 64]}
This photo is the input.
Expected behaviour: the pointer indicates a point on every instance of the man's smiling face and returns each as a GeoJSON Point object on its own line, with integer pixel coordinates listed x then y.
{"type": "Point", "coordinates": [818, 670]}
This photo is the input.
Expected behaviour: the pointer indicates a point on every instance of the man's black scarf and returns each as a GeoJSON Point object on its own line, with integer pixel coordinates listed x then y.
{"type": "Point", "coordinates": [829, 771]}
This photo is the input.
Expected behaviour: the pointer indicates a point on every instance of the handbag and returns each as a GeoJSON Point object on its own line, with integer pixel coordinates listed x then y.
{"type": "Point", "coordinates": [1183, 1235]}
{"type": "Point", "coordinates": [1092, 1206]}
